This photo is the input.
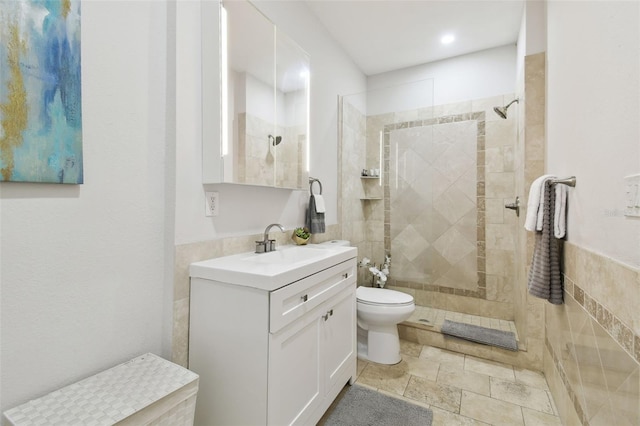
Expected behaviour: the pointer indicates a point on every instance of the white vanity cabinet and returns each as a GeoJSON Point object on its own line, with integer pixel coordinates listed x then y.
{"type": "Point", "coordinates": [273, 356]}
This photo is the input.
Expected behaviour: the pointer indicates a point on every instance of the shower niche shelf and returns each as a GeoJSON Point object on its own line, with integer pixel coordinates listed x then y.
{"type": "Point", "coordinates": [372, 192]}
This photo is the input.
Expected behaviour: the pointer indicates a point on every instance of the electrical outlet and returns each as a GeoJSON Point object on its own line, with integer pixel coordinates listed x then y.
{"type": "Point", "coordinates": [632, 193]}
{"type": "Point", "coordinates": [212, 203]}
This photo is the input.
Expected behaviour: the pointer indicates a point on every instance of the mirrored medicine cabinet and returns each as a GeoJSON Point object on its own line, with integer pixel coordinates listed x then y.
{"type": "Point", "coordinates": [255, 100]}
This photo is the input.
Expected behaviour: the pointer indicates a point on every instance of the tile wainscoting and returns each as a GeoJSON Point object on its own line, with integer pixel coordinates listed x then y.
{"type": "Point", "coordinates": [592, 344]}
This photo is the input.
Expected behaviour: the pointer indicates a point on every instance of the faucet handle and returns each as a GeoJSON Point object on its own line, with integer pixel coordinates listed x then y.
{"type": "Point", "coordinates": [261, 246]}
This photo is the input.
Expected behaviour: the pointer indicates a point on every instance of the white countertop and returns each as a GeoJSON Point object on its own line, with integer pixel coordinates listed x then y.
{"type": "Point", "coordinates": [270, 271]}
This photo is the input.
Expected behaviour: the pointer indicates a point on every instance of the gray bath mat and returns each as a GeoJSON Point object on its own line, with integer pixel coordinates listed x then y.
{"type": "Point", "coordinates": [475, 333]}
{"type": "Point", "coordinates": [361, 406]}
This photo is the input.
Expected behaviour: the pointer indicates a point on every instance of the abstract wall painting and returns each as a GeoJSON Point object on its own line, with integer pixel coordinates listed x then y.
{"type": "Point", "coordinates": [40, 91]}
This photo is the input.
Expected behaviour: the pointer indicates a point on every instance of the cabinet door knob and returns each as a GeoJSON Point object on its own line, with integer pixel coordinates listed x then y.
{"type": "Point", "coordinates": [326, 316]}
{"type": "Point", "coordinates": [330, 312]}
{"type": "Point", "coordinates": [304, 298]}
{"type": "Point", "coordinates": [345, 276]}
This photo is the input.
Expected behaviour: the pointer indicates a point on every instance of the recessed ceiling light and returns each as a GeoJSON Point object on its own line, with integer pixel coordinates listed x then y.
{"type": "Point", "coordinates": [447, 39]}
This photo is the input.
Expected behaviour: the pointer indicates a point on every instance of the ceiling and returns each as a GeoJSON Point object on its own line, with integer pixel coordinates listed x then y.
{"type": "Point", "coordinates": [386, 35]}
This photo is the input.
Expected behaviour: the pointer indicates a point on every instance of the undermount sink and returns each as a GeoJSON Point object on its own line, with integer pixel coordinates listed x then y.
{"type": "Point", "coordinates": [272, 270]}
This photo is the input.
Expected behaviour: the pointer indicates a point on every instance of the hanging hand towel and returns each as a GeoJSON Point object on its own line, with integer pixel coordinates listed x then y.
{"type": "Point", "coordinates": [314, 220]}
{"type": "Point", "coordinates": [560, 216]}
{"type": "Point", "coordinates": [319, 201]}
{"type": "Point", "coordinates": [534, 204]}
{"type": "Point", "coordinates": [545, 280]}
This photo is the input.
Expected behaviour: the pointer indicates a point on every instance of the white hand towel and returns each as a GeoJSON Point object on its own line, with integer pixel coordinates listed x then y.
{"type": "Point", "coordinates": [534, 204]}
{"type": "Point", "coordinates": [560, 214]}
{"type": "Point", "coordinates": [320, 208]}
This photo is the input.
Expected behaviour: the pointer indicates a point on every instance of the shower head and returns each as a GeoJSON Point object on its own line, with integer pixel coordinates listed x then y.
{"type": "Point", "coordinates": [502, 111]}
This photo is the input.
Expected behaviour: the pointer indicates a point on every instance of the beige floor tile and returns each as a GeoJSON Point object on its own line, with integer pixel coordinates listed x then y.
{"type": "Point", "coordinates": [390, 378]}
{"type": "Point", "coordinates": [404, 398]}
{"type": "Point", "coordinates": [447, 418]}
{"type": "Point", "coordinates": [421, 367]}
{"type": "Point", "coordinates": [443, 356]}
{"type": "Point", "coordinates": [432, 393]}
{"type": "Point", "coordinates": [530, 378]}
{"type": "Point", "coordinates": [523, 395]}
{"type": "Point", "coordinates": [553, 403]}
{"type": "Point", "coordinates": [464, 379]}
{"type": "Point", "coordinates": [490, 368]}
{"type": "Point", "coordinates": [489, 410]}
{"type": "Point", "coordinates": [360, 365]}
{"type": "Point", "coordinates": [410, 348]}
{"type": "Point", "coordinates": [536, 418]}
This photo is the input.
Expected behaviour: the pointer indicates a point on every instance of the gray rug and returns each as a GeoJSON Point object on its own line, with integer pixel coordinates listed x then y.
{"type": "Point", "coordinates": [475, 333]}
{"type": "Point", "coordinates": [360, 406]}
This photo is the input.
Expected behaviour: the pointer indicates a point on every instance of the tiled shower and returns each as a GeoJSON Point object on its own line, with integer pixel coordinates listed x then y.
{"type": "Point", "coordinates": [437, 207]}
{"type": "Point", "coordinates": [588, 347]}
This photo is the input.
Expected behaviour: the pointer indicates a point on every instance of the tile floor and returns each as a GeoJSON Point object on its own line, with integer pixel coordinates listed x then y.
{"type": "Point", "coordinates": [462, 389]}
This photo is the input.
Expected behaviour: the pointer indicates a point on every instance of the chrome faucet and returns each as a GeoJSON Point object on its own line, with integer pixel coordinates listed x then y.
{"type": "Point", "coordinates": [267, 245]}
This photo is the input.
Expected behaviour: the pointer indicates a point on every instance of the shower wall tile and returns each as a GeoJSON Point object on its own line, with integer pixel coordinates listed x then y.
{"type": "Point", "coordinates": [535, 147]}
{"type": "Point", "coordinates": [494, 210]}
{"type": "Point", "coordinates": [499, 133]}
{"type": "Point", "coordinates": [494, 159]}
{"type": "Point", "coordinates": [499, 289]}
{"type": "Point", "coordinates": [500, 262]}
{"type": "Point", "coordinates": [535, 83]}
{"type": "Point", "coordinates": [487, 104]}
{"type": "Point", "coordinates": [500, 237]}
{"type": "Point", "coordinates": [500, 185]}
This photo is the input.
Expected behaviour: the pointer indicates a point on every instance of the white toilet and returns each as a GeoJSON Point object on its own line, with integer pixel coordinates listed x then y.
{"type": "Point", "coordinates": [380, 311]}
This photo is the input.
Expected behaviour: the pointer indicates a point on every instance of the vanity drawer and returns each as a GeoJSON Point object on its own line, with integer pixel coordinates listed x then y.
{"type": "Point", "coordinates": [293, 301]}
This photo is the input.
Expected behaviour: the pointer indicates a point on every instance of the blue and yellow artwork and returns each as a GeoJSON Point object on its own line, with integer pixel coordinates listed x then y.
{"type": "Point", "coordinates": [40, 91]}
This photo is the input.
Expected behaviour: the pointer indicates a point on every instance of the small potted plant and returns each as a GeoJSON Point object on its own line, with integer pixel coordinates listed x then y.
{"type": "Point", "coordinates": [301, 236]}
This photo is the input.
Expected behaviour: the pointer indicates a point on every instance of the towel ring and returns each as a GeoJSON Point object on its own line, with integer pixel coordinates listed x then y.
{"type": "Point", "coordinates": [311, 181]}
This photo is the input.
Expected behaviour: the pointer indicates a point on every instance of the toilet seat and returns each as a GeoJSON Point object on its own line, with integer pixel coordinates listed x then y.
{"type": "Point", "coordinates": [382, 297]}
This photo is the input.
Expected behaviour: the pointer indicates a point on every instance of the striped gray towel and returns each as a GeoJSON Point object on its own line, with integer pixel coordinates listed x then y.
{"type": "Point", "coordinates": [545, 279]}
{"type": "Point", "coordinates": [314, 220]}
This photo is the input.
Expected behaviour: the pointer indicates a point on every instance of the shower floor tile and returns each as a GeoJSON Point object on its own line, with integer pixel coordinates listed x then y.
{"type": "Point", "coordinates": [432, 319]}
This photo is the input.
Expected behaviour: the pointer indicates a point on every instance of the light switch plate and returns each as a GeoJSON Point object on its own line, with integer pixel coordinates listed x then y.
{"type": "Point", "coordinates": [632, 195]}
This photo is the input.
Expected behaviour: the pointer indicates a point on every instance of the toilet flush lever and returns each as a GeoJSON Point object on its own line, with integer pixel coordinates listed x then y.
{"type": "Point", "coordinates": [514, 206]}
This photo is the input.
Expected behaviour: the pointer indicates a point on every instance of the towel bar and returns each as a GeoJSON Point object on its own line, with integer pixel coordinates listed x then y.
{"type": "Point", "coordinates": [570, 181]}
{"type": "Point", "coordinates": [311, 181]}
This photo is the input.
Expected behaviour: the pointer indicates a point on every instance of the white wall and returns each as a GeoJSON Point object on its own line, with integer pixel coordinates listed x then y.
{"type": "Point", "coordinates": [532, 37]}
{"type": "Point", "coordinates": [83, 266]}
{"type": "Point", "coordinates": [247, 209]}
{"type": "Point", "coordinates": [593, 98]}
{"type": "Point", "coordinates": [474, 76]}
